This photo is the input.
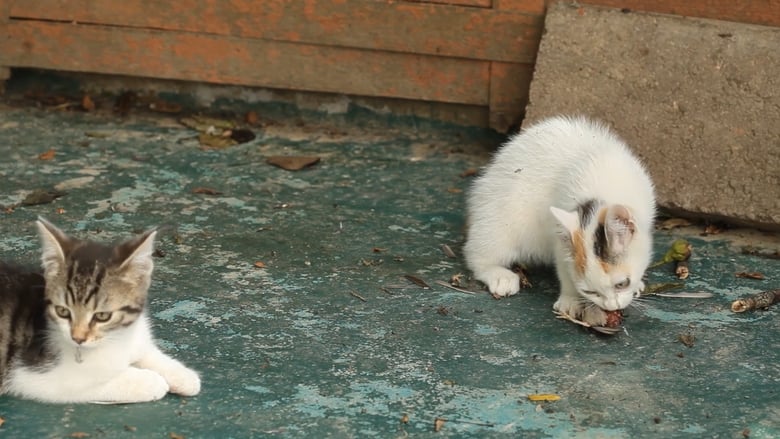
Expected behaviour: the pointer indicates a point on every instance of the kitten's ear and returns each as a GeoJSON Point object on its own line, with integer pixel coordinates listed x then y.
{"type": "Point", "coordinates": [55, 244]}
{"type": "Point", "coordinates": [619, 226]}
{"type": "Point", "coordinates": [136, 252]}
{"type": "Point", "coordinates": [569, 220]}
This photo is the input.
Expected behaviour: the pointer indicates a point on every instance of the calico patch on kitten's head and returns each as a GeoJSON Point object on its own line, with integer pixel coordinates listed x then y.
{"type": "Point", "coordinates": [93, 289]}
{"type": "Point", "coordinates": [607, 255]}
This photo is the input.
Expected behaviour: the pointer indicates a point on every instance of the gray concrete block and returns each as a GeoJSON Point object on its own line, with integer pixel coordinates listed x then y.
{"type": "Point", "coordinates": [698, 100]}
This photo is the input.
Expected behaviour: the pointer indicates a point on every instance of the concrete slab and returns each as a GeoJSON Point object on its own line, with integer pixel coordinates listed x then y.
{"type": "Point", "coordinates": [699, 100]}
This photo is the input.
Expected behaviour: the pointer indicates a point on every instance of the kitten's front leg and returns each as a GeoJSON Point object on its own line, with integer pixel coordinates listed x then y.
{"type": "Point", "coordinates": [182, 380]}
{"type": "Point", "coordinates": [500, 280]}
{"type": "Point", "coordinates": [132, 385]}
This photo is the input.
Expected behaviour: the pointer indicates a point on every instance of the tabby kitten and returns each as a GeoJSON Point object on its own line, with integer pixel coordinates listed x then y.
{"type": "Point", "coordinates": [78, 332]}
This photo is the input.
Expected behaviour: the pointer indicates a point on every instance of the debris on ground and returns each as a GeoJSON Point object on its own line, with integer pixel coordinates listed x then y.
{"type": "Point", "coordinates": [679, 253]}
{"type": "Point", "coordinates": [750, 275]}
{"type": "Point", "coordinates": [762, 300]}
{"type": "Point", "coordinates": [292, 163]}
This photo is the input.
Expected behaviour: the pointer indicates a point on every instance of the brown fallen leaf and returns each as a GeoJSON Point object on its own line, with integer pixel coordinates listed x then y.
{"type": "Point", "coordinates": [41, 196]}
{"type": "Point", "coordinates": [438, 423]}
{"type": "Point", "coordinates": [173, 435]}
{"type": "Point", "coordinates": [750, 275]}
{"type": "Point", "coordinates": [454, 190]}
{"type": "Point", "coordinates": [259, 264]}
{"type": "Point", "coordinates": [162, 106]}
{"type": "Point", "coordinates": [292, 163]}
{"type": "Point", "coordinates": [2, 421]}
{"type": "Point", "coordinates": [60, 211]}
{"type": "Point", "coordinates": [216, 142]}
{"type": "Point", "coordinates": [78, 435]}
{"type": "Point", "coordinates": [405, 419]}
{"type": "Point", "coordinates": [48, 155]}
{"type": "Point", "coordinates": [687, 339]}
{"type": "Point", "coordinates": [470, 172]}
{"type": "Point", "coordinates": [711, 229]}
{"type": "Point", "coordinates": [672, 223]}
{"type": "Point", "coordinates": [206, 191]}
{"type": "Point", "coordinates": [417, 281]}
{"type": "Point", "coordinates": [87, 104]}
{"type": "Point", "coordinates": [378, 249]}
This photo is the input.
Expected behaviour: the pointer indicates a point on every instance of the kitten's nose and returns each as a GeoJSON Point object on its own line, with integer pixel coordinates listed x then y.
{"type": "Point", "coordinates": [79, 340]}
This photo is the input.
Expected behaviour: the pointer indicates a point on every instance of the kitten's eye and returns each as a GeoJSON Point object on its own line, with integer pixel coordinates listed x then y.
{"type": "Point", "coordinates": [623, 284]}
{"type": "Point", "coordinates": [101, 316]}
{"type": "Point", "coordinates": [590, 293]}
{"type": "Point", "coordinates": [62, 312]}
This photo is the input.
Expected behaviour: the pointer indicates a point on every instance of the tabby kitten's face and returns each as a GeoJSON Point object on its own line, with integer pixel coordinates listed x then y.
{"type": "Point", "coordinates": [93, 289]}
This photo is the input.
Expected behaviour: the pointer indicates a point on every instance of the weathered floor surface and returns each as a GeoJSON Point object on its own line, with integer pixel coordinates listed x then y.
{"type": "Point", "coordinates": [328, 339]}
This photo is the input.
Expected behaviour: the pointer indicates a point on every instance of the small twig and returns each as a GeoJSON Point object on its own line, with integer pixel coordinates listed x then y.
{"type": "Point", "coordinates": [764, 299]}
{"type": "Point", "coordinates": [445, 284]}
{"type": "Point", "coordinates": [448, 251]}
{"type": "Point", "coordinates": [687, 295]}
{"type": "Point", "coordinates": [354, 294]}
{"type": "Point", "coordinates": [463, 421]}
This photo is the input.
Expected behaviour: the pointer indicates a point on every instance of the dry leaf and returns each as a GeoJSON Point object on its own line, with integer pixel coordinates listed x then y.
{"type": "Point", "coordinates": [448, 251]}
{"type": "Point", "coordinates": [672, 223]}
{"type": "Point", "coordinates": [417, 281]}
{"type": "Point", "coordinates": [687, 339]}
{"type": "Point", "coordinates": [162, 106]}
{"type": "Point", "coordinates": [87, 103]}
{"type": "Point", "coordinates": [41, 196]}
{"type": "Point", "coordinates": [544, 397]}
{"type": "Point", "coordinates": [78, 435]}
{"type": "Point", "coordinates": [48, 155]}
{"type": "Point", "coordinates": [292, 163]}
{"type": "Point", "coordinates": [2, 421]}
{"type": "Point", "coordinates": [60, 211]}
{"type": "Point", "coordinates": [216, 142]}
{"type": "Point", "coordinates": [206, 191]}
{"type": "Point", "coordinates": [454, 190]}
{"type": "Point", "coordinates": [378, 249]}
{"type": "Point", "coordinates": [259, 264]}
{"type": "Point", "coordinates": [438, 423]}
{"type": "Point", "coordinates": [470, 172]}
{"type": "Point", "coordinates": [173, 435]}
{"type": "Point", "coordinates": [711, 229]}
{"type": "Point", "coordinates": [405, 419]}
{"type": "Point", "coordinates": [750, 275]}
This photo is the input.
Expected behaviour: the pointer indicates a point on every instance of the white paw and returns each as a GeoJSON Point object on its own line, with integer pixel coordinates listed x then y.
{"type": "Point", "coordinates": [183, 381]}
{"type": "Point", "coordinates": [133, 385]}
{"type": "Point", "coordinates": [500, 281]}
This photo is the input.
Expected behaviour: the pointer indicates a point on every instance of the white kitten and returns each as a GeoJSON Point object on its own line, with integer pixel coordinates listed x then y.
{"type": "Point", "coordinates": [567, 192]}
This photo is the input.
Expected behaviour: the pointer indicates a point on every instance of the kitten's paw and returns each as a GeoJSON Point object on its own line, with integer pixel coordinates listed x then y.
{"type": "Point", "coordinates": [572, 308]}
{"type": "Point", "coordinates": [183, 381]}
{"type": "Point", "coordinates": [500, 281]}
{"type": "Point", "coordinates": [133, 385]}
{"type": "Point", "coordinates": [592, 315]}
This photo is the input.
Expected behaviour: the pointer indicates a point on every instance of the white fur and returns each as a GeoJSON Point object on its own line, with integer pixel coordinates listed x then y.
{"type": "Point", "coordinates": [528, 196]}
{"type": "Point", "coordinates": [124, 367]}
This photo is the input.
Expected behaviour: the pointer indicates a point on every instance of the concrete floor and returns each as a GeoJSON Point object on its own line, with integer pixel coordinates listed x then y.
{"type": "Point", "coordinates": [329, 339]}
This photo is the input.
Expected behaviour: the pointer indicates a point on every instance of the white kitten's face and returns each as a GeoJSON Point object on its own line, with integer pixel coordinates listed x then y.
{"type": "Point", "coordinates": [608, 255]}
